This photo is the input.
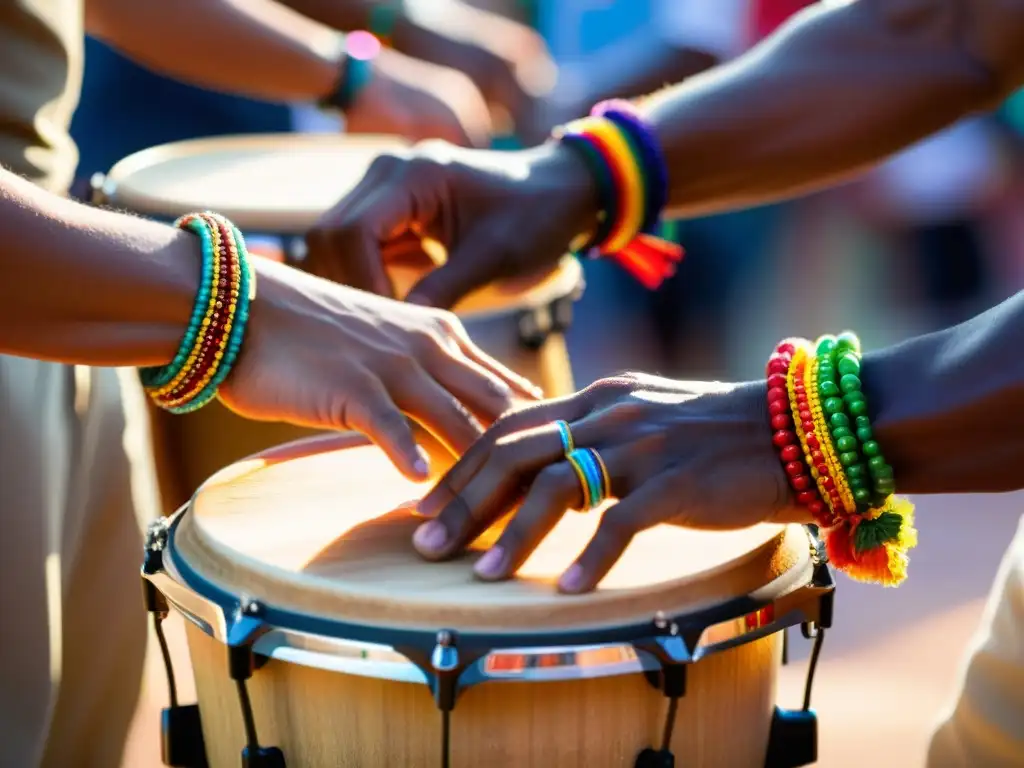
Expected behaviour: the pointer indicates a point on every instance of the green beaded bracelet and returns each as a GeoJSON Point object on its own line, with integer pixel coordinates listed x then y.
{"type": "Point", "coordinates": [875, 474]}
{"type": "Point", "coordinates": [159, 376]}
{"type": "Point", "coordinates": [844, 441]}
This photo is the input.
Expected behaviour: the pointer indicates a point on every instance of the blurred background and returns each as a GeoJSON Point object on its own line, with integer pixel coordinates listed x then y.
{"type": "Point", "coordinates": [927, 240]}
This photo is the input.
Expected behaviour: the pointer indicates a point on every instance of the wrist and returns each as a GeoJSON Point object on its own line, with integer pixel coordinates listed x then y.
{"type": "Point", "coordinates": [555, 167]}
{"type": "Point", "coordinates": [354, 72]}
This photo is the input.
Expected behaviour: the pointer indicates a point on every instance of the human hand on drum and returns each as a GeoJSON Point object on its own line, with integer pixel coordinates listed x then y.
{"type": "Point", "coordinates": [507, 61]}
{"type": "Point", "coordinates": [499, 214]}
{"type": "Point", "coordinates": [688, 453]}
{"type": "Point", "coordinates": [325, 356]}
{"type": "Point", "coordinates": [418, 100]}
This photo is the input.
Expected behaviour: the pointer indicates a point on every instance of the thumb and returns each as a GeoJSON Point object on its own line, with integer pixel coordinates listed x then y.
{"type": "Point", "coordinates": [461, 274]}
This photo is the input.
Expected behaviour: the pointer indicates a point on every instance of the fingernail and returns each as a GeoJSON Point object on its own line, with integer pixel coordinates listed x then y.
{"type": "Point", "coordinates": [538, 392]}
{"type": "Point", "coordinates": [411, 504]}
{"type": "Point", "coordinates": [490, 564]}
{"type": "Point", "coordinates": [422, 465]}
{"type": "Point", "coordinates": [572, 579]}
{"type": "Point", "coordinates": [430, 536]}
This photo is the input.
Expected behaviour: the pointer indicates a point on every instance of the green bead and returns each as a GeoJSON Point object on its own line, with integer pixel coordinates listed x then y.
{"type": "Point", "coordinates": [849, 340]}
{"type": "Point", "coordinates": [871, 448]}
{"type": "Point", "coordinates": [862, 496]}
{"type": "Point", "coordinates": [841, 432]}
{"type": "Point", "coordinates": [849, 365]}
{"type": "Point", "coordinates": [839, 420]}
{"type": "Point", "coordinates": [833, 405]}
{"type": "Point", "coordinates": [828, 388]}
{"type": "Point", "coordinates": [864, 434]}
{"type": "Point", "coordinates": [857, 472]}
{"type": "Point", "coordinates": [857, 482]}
{"type": "Point", "coordinates": [854, 396]}
{"type": "Point", "coordinates": [882, 473]}
{"type": "Point", "coordinates": [885, 485]}
{"type": "Point", "coordinates": [849, 459]}
{"type": "Point", "coordinates": [858, 407]}
{"type": "Point", "coordinates": [825, 345]}
{"type": "Point", "coordinates": [876, 463]}
{"type": "Point", "coordinates": [846, 444]}
{"type": "Point", "coordinates": [826, 373]}
{"type": "Point", "coordinates": [863, 421]}
{"type": "Point", "coordinates": [849, 383]}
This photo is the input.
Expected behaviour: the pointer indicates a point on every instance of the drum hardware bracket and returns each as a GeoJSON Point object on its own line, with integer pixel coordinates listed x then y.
{"type": "Point", "coordinates": [536, 324]}
{"type": "Point", "coordinates": [793, 737]}
{"type": "Point", "coordinates": [670, 649]}
{"type": "Point", "coordinates": [246, 626]}
{"type": "Point", "coordinates": [181, 732]}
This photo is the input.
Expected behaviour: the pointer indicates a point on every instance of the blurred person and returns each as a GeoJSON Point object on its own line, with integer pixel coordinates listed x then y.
{"type": "Point", "coordinates": [75, 471]}
{"type": "Point", "coordinates": [933, 201]}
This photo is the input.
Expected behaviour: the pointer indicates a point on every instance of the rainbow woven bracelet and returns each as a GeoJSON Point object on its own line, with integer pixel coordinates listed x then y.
{"type": "Point", "coordinates": [213, 338]}
{"type": "Point", "coordinates": [868, 530]}
{"type": "Point", "coordinates": [629, 168]}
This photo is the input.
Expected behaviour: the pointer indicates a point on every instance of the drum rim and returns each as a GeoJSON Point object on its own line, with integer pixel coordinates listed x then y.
{"type": "Point", "coordinates": [114, 180]}
{"type": "Point", "coordinates": [801, 595]}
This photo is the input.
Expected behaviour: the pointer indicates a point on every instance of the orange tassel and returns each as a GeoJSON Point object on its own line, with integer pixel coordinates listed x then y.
{"type": "Point", "coordinates": [649, 259]}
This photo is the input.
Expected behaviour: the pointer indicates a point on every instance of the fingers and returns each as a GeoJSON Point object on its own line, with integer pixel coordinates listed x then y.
{"type": "Point", "coordinates": [436, 408]}
{"type": "Point", "coordinates": [556, 489]}
{"type": "Point", "coordinates": [648, 505]}
{"type": "Point", "coordinates": [344, 245]}
{"type": "Point", "coordinates": [464, 272]}
{"type": "Point", "coordinates": [449, 487]}
{"type": "Point", "coordinates": [521, 386]}
{"type": "Point", "coordinates": [483, 393]}
{"type": "Point", "coordinates": [492, 492]}
{"type": "Point", "coordinates": [371, 410]}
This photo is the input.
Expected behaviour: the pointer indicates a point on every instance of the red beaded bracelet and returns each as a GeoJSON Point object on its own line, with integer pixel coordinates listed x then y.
{"type": "Point", "coordinates": [784, 435]}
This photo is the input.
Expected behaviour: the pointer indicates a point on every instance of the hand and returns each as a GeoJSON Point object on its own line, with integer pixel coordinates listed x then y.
{"type": "Point", "coordinates": [507, 61]}
{"type": "Point", "coordinates": [499, 214]}
{"type": "Point", "coordinates": [418, 100]}
{"type": "Point", "coordinates": [686, 453]}
{"type": "Point", "coordinates": [324, 356]}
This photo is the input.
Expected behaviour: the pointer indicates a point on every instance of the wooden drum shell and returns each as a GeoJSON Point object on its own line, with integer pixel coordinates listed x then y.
{"type": "Point", "coordinates": [326, 719]}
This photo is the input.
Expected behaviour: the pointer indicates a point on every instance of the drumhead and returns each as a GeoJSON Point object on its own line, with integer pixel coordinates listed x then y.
{"type": "Point", "coordinates": [272, 183]}
{"type": "Point", "coordinates": [316, 528]}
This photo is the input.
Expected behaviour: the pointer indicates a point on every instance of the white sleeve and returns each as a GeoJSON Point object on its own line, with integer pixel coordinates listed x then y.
{"type": "Point", "coordinates": [718, 27]}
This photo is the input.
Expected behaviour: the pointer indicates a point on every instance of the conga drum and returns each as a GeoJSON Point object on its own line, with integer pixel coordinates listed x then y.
{"type": "Point", "coordinates": [277, 185]}
{"type": "Point", "coordinates": [319, 639]}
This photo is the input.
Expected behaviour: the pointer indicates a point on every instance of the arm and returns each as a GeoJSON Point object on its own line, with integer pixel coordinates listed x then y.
{"type": "Point", "coordinates": [948, 408]}
{"type": "Point", "coordinates": [86, 286]}
{"type": "Point", "coordinates": [253, 47]}
{"type": "Point", "coordinates": [835, 90]}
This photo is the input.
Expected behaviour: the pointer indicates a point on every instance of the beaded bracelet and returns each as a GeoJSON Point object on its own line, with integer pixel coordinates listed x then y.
{"type": "Point", "coordinates": [626, 161]}
{"type": "Point", "coordinates": [215, 332]}
{"type": "Point", "coordinates": [866, 535]}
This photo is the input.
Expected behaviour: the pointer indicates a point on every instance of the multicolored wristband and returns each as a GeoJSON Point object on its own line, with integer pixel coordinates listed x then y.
{"type": "Point", "coordinates": [867, 530]}
{"type": "Point", "coordinates": [214, 336]}
{"type": "Point", "coordinates": [627, 163]}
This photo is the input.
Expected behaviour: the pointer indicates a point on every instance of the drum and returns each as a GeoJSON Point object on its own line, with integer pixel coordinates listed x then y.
{"type": "Point", "coordinates": [278, 185]}
{"type": "Point", "coordinates": [319, 639]}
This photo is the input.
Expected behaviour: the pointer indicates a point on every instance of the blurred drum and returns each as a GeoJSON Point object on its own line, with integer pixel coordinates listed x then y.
{"type": "Point", "coordinates": [319, 639]}
{"type": "Point", "coordinates": [277, 186]}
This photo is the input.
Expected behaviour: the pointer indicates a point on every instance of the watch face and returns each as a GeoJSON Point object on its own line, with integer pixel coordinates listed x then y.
{"type": "Point", "coordinates": [362, 45]}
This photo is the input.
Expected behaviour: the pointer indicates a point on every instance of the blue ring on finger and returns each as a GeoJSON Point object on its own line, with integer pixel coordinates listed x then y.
{"type": "Point", "coordinates": [565, 435]}
{"type": "Point", "coordinates": [594, 478]}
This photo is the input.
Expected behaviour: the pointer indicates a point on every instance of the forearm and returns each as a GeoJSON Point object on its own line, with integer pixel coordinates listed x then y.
{"type": "Point", "coordinates": [86, 286]}
{"type": "Point", "coordinates": [256, 48]}
{"type": "Point", "coordinates": [834, 91]}
{"type": "Point", "coordinates": [345, 15]}
{"type": "Point", "coordinates": [948, 408]}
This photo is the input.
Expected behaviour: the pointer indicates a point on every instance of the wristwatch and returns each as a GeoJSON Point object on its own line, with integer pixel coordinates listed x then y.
{"type": "Point", "coordinates": [361, 48]}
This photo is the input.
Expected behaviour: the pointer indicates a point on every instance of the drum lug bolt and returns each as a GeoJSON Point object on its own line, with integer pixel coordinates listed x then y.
{"type": "Point", "coordinates": [445, 657]}
{"type": "Point", "coordinates": [251, 607]}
